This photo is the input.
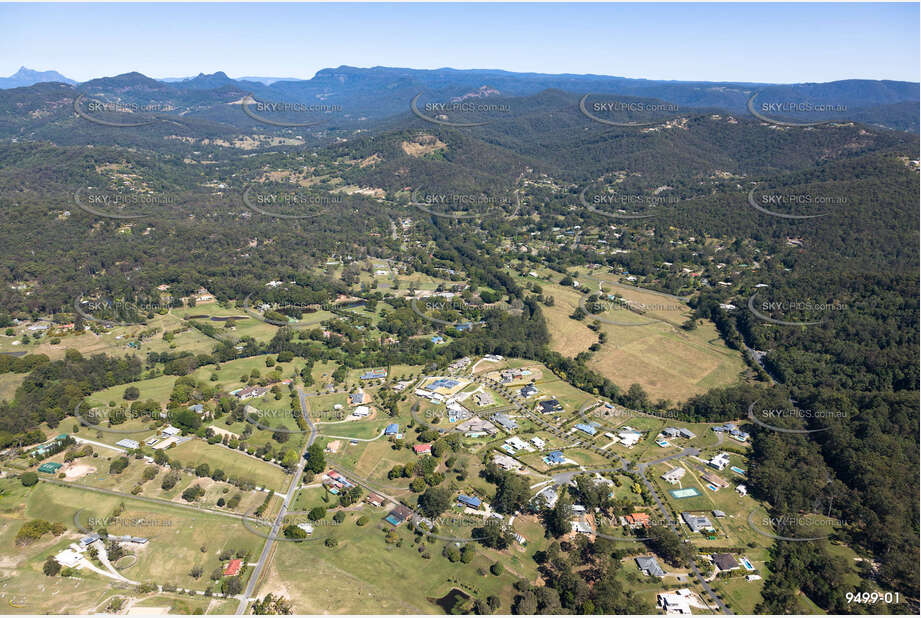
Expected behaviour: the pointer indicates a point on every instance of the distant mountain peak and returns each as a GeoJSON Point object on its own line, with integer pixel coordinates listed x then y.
{"type": "Point", "coordinates": [27, 77]}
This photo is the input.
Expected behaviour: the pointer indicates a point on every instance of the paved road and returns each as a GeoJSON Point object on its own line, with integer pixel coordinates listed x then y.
{"type": "Point", "coordinates": [289, 496]}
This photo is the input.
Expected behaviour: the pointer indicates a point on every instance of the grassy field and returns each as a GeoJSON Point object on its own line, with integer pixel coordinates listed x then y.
{"type": "Point", "coordinates": [667, 361]}
{"type": "Point", "coordinates": [362, 574]}
{"type": "Point", "coordinates": [234, 463]}
{"type": "Point", "coordinates": [158, 389]}
{"type": "Point", "coordinates": [9, 382]}
{"type": "Point", "coordinates": [179, 540]}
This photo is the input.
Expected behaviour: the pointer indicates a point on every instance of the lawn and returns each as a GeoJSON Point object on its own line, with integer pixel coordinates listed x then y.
{"type": "Point", "coordinates": [361, 574]}
{"type": "Point", "coordinates": [9, 382]}
{"type": "Point", "coordinates": [234, 463]}
{"type": "Point", "coordinates": [176, 535]}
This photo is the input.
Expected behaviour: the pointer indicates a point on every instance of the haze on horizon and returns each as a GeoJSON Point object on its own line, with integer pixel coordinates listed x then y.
{"type": "Point", "coordinates": [722, 42]}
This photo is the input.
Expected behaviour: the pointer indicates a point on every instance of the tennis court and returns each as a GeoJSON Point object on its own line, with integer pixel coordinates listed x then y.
{"type": "Point", "coordinates": [687, 492]}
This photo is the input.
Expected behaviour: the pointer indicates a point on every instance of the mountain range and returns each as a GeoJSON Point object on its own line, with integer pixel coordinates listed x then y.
{"type": "Point", "coordinates": [380, 92]}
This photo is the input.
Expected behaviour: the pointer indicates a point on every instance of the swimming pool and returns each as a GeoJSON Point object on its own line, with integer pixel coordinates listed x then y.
{"type": "Point", "coordinates": [747, 564]}
{"type": "Point", "coordinates": [737, 470]}
{"type": "Point", "coordinates": [713, 487]}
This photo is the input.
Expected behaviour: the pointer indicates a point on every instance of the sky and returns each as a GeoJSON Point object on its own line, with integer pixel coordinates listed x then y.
{"type": "Point", "coordinates": [778, 43]}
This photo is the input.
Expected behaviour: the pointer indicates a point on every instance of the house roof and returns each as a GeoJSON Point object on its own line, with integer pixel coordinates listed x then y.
{"type": "Point", "coordinates": [233, 567]}
{"type": "Point", "coordinates": [469, 500]}
{"type": "Point", "coordinates": [422, 448]}
{"type": "Point", "coordinates": [649, 565]}
{"type": "Point", "coordinates": [391, 429]}
{"type": "Point", "coordinates": [725, 562]}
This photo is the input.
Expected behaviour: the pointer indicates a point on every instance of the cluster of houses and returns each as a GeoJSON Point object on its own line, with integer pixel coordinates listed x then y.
{"type": "Point", "coordinates": [734, 432]}
{"type": "Point", "coordinates": [160, 440]}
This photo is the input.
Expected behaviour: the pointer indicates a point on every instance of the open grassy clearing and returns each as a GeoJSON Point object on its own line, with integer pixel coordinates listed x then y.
{"type": "Point", "coordinates": [667, 361]}
{"type": "Point", "coordinates": [9, 382]}
{"type": "Point", "coordinates": [234, 463]}
{"type": "Point", "coordinates": [176, 535]}
{"type": "Point", "coordinates": [360, 575]}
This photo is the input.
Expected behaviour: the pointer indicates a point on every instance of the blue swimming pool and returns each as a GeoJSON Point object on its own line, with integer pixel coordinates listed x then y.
{"type": "Point", "coordinates": [747, 564]}
{"type": "Point", "coordinates": [713, 487]}
{"type": "Point", "coordinates": [737, 470]}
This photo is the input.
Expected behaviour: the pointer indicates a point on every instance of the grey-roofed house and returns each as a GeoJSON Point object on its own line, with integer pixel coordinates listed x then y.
{"type": "Point", "coordinates": [670, 432]}
{"type": "Point", "coordinates": [649, 566]}
{"type": "Point", "coordinates": [527, 391]}
{"type": "Point", "coordinates": [697, 523]}
{"type": "Point", "coordinates": [505, 422]}
{"type": "Point", "coordinates": [725, 562]}
{"type": "Point", "coordinates": [687, 433]}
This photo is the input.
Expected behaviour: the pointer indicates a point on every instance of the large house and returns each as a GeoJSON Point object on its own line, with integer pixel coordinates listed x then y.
{"type": "Point", "coordinates": [673, 603]}
{"type": "Point", "coordinates": [725, 562]}
{"type": "Point", "coordinates": [251, 392]}
{"type": "Point", "coordinates": [547, 406]}
{"type": "Point", "coordinates": [649, 566]}
{"type": "Point", "coordinates": [674, 475]}
{"type": "Point", "coordinates": [719, 461]}
{"type": "Point", "coordinates": [505, 422]}
{"type": "Point", "coordinates": [697, 523]}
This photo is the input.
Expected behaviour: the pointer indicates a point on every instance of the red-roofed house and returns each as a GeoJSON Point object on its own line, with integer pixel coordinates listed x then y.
{"type": "Point", "coordinates": [233, 568]}
{"type": "Point", "coordinates": [422, 449]}
{"type": "Point", "coordinates": [637, 519]}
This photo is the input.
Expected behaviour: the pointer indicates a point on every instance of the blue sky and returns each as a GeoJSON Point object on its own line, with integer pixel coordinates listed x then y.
{"type": "Point", "coordinates": [714, 42]}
